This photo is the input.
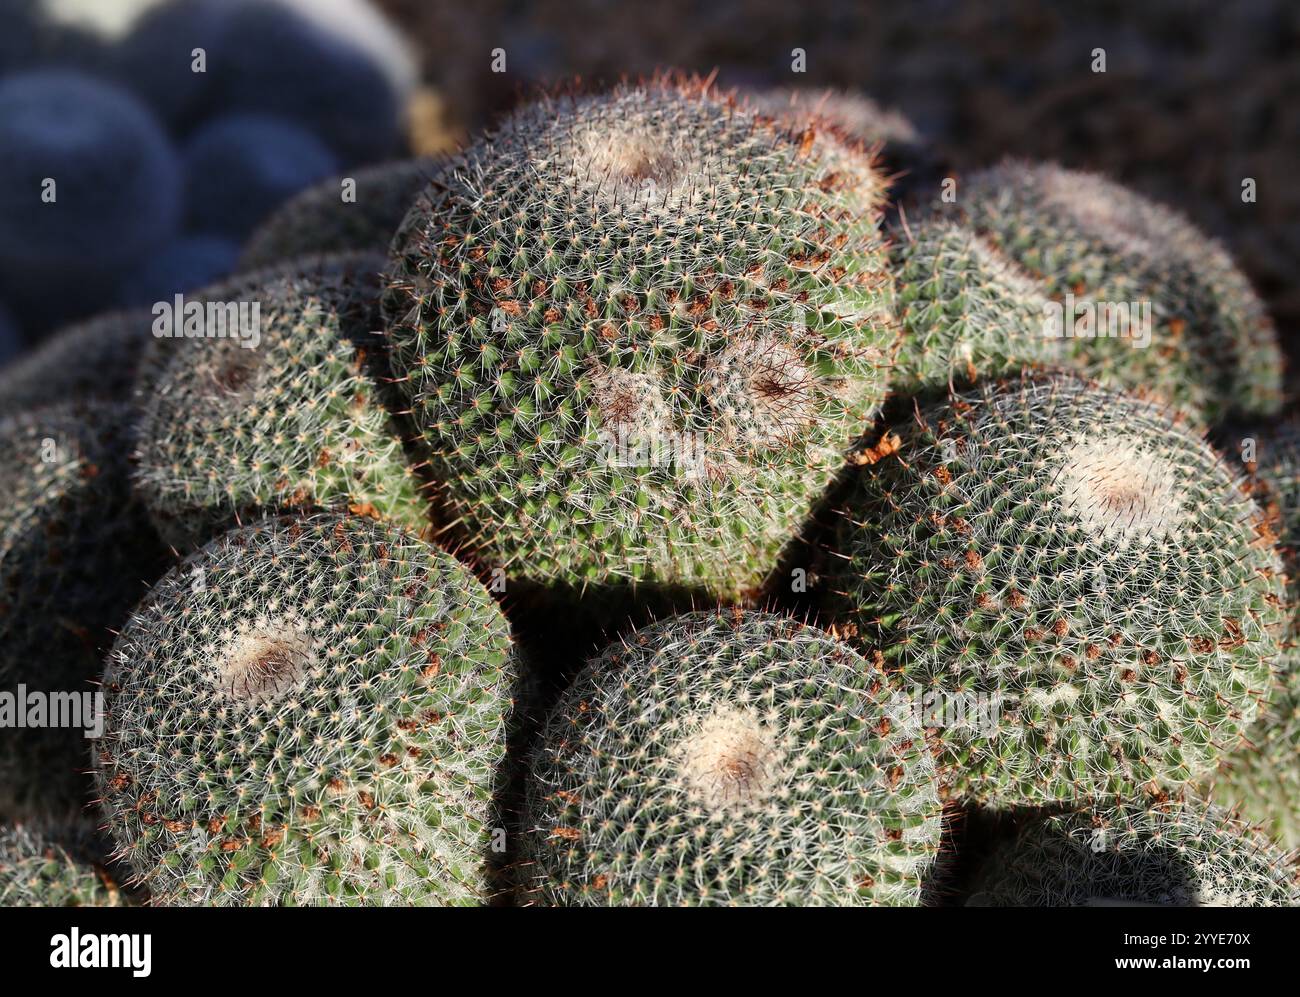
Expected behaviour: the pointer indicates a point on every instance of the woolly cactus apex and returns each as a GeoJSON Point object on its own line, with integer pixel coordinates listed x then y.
{"type": "Point", "coordinates": [238, 426]}
{"type": "Point", "coordinates": [1083, 569]}
{"type": "Point", "coordinates": [967, 312]}
{"type": "Point", "coordinates": [54, 866]}
{"type": "Point", "coordinates": [730, 758]}
{"type": "Point", "coordinates": [1166, 853]}
{"type": "Point", "coordinates": [1211, 347]}
{"type": "Point", "coordinates": [319, 220]}
{"type": "Point", "coordinates": [638, 332]}
{"type": "Point", "coordinates": [76, 551]}
{"type": "Point", "coordinates": [1261, 778]}
{"type": "Point", "coordinates": [308, 712]}
{"type": "Point", "coordinates": [359, 268]}
{"type": "Point", "coordinates": [855, 113]}
{"type": "Point", "coordinates": [94, 359]}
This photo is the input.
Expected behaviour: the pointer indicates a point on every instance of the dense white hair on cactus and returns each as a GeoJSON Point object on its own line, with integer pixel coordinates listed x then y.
{"type": "Point", "coordinates": [261, 659]}
{"type": "Point", "coordinates": [732, 761]}
{"type": "Point", "coordinates": [1117, 488]}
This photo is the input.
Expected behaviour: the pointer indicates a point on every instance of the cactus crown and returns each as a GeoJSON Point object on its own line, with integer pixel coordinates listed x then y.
{"type": "Point", "coordinates": [306, 712]}
{"type": "Point", "coordinates": [235, 426]}
{"type": "Point", "coordinates": [1084, 558]}
{"type": "Point", "coordinates": [729, 758]}
{"type": "Point", "coordinates": [637, 326]}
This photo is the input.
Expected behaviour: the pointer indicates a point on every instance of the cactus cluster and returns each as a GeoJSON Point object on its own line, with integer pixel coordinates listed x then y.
{"type": "Point", "coordinates": [88, 183]}
{"type": "Point", "coordinates": [1209, 346]}
{"type": "Point", "coordinates": [308, 712]}
{"type": "Point", "coordinates": [638, 333]}
{"type": "Point", "coordinates": [1169, 852]}
{"type": "Point", "coordinates": [54, 866]}
{"type": "Point", "coordinates": [75, 552]}
{"type": "Point", "coordinates": [1084, 562]}
{"type": "Point", "coordinates": [628, 351]}
{"type": "Point", "coordinates": [724, 759]}
{"type": "Point", "coordinates": [144, 139]}
{"type": "Point", "coordinates": [292, 419]}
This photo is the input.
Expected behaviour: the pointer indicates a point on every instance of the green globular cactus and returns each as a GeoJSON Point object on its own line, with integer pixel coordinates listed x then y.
{"type": "Point", "coordinates": [639, 332]}
{"type": "Point", "coordinates": [308, 712]}
{"type": "Point", "coordinates": [729, 758]}
{"type": "Point", "coordinates": [1079, 566]}
{"type": "Point", "coordinates": [320, 220]}
{"type": "Point", "coordinates": [285, 415]}
{"type": "Point", "coordinates": [76, 552]}
{"type": "Point", "coordinates": [1261, 779]}
{"type": "Point", "coordinates": [1176, 852]}
{"type": "Point", "coordinates": [54, 866]}
{"type": "Point", "coordinates": [350, 269]}
{"type": "Point", "coordinates": [95, 359]}
{"type": "Point", "coordinates": [966, 311]}
{"type": "Point", "coordinates": [1206, 344]}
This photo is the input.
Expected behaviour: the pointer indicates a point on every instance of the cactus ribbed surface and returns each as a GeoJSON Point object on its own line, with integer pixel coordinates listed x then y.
{"type": "Point", "coordinates": [638, 332]}
{"type": "Point", "coordinates": [729, 758]}
{"type": "Point", "coordinates": [308, 712]}
{"type": "Point", "coordinates": [97, 358]}
{"type": "Point", "coordinates": [1084, 562]}
{"type": "Point", "coordinates": [1261, 779]}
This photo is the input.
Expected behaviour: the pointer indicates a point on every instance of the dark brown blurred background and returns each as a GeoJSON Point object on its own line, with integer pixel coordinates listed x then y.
{"type": "Point", "coordinates": [1196, 95]}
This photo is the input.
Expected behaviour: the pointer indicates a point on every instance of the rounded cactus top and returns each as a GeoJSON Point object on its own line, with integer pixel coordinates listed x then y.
{"type": "Point", "coordinates": [269, 406]}
{"type": "Point", "coordinates": [1163, 853]}
{"type": "Point", "coordinates": [856, 113]}
{"type": "Point", "coordinates": [307, 712]}
{"type": "Point", "coordinates": [730, 758]}
{"type": "Point", "coordinates": [639, 329]}
{"type": "Point", "coordinates": [1087, 560]}
{"type": "Point", "coordinates": [1207, 343]}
